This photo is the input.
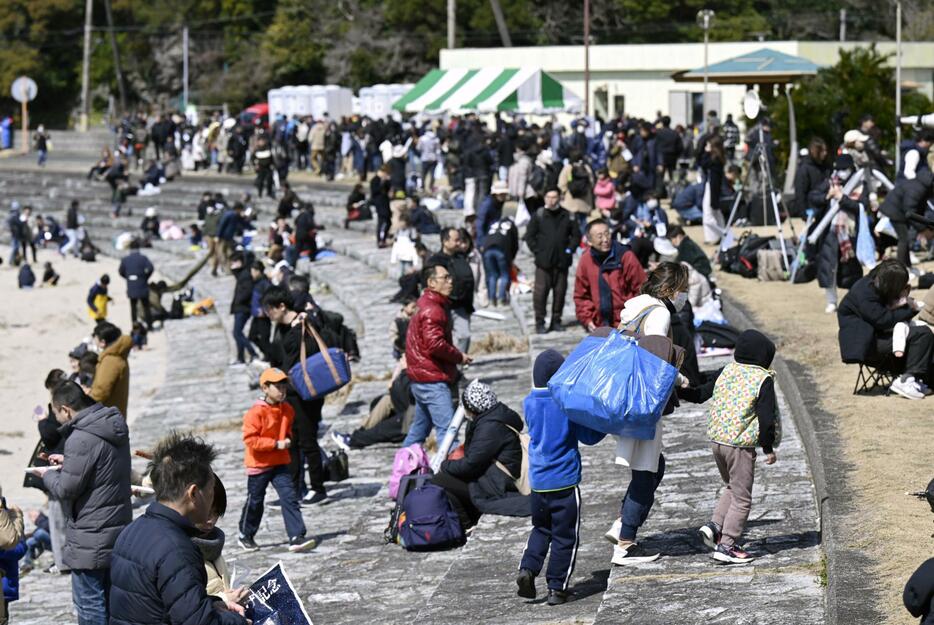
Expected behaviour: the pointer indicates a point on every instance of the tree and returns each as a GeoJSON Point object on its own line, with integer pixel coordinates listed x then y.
{"type": "Point", "coordinates": [832, 102]}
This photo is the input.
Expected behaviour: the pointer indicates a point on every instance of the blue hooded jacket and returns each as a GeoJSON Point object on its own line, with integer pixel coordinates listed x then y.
{"type": "Point", "coordinates": [9, 564]}
{"type": "Point", "coordinates": [554, 460]}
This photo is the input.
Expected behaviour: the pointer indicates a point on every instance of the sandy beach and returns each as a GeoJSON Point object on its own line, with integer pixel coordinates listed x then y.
{"type": "Point", "coordinates": [38, 328]}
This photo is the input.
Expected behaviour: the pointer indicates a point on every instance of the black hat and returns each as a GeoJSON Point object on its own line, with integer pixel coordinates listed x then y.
{"type": "Point", "coordinates": [79, 351]}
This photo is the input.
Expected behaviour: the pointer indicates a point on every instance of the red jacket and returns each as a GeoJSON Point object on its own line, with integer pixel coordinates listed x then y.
{"type": "Point", "coordinates": [624, 279]}
{"type": "Point", "coordinates": [430, 355]}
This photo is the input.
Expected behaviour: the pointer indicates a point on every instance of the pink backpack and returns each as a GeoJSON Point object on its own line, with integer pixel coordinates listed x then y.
{"type": "Point", "coordinates": [408, 460]}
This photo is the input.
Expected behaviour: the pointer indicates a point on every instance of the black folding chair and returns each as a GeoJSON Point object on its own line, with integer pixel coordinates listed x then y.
{"type": "Point", "coordinates": [871, 377]}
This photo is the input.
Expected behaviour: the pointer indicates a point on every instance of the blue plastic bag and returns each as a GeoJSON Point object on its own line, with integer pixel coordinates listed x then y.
{"type": "Point", "coordinates": [614, 386]}
{"type": "Point", "coordinates": [865, 245]}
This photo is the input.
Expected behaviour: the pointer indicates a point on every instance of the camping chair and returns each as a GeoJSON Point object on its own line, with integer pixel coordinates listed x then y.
{"type": "Point", "coordinates": [872, 376]}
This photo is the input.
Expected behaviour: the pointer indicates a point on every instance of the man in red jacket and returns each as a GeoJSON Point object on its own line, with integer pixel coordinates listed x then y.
{"type": "Point", "coordinates": [608, 275]}
{"type": "Point", "coordinates": [431, 358]}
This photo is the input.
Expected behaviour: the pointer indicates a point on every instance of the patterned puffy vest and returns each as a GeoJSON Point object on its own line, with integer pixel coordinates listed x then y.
{"type": "Point", "coordinates": [732, 418]}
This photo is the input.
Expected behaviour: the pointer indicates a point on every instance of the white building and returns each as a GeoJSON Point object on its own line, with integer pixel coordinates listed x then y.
{"type": "Point", "coordinates": [636, 79]}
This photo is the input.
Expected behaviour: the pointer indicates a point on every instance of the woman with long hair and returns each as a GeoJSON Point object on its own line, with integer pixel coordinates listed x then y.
{"type": "Point", "coordinates": [664, 292]}
{"type": "Point", "coordinates": [713, 161]}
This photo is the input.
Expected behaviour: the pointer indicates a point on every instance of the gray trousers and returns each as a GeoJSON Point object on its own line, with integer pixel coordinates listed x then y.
{"type": "Point", "coordinates": [57, 524]}
{"type": "Point", "coordinates": [461, 329]}
{"type": "Point", "coordinates": [737, 466]}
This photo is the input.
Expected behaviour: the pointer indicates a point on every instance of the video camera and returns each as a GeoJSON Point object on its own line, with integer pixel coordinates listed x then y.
{"type": "Point", "coordinates": [918, 121]}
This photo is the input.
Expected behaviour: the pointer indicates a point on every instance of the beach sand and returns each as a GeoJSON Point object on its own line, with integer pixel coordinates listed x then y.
{"type": "Point", "coordinates": [38, 328]}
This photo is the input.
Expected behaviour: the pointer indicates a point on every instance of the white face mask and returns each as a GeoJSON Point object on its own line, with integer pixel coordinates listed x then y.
{"type": "Point", "coordinates": [653, 204]}
{"type": "Point", "coordinates": [679, 300]}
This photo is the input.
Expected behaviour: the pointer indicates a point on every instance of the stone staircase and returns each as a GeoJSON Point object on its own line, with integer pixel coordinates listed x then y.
{"type": "Point", "coordinates": [353, 577]}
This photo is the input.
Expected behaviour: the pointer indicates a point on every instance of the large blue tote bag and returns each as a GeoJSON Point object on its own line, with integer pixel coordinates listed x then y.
{"type": "Point", "coordinates": [321, 373]}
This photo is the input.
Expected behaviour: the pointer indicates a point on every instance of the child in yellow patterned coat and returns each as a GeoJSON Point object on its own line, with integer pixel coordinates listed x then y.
{"type": "Point", "coordinates": [743, 415]}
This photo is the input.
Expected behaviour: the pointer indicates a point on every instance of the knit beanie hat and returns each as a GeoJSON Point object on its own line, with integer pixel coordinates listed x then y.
{"type": "Point", "coordinates": [478, 397]}
{"type": "Point", "coordinates": [546, 365]}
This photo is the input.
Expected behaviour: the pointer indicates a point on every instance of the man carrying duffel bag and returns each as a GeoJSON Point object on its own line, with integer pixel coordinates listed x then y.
{"type": "Point", "coordinates": [287, 352]}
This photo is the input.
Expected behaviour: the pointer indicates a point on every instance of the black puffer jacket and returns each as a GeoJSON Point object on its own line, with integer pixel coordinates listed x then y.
{"type": "Point", "coordinates": [909, 197]}
{"type": "Point", "coordinates": [553, 237]}
{"type": "Point", "coordinates": [158, 575]}
{"type": "Point", "coordinates": [93, 485]}
{"type": "Point", "coordinates": [919, 593]}
{"type": "Point", "coordinates": [488, 440]}
{"type": "Point", "coordinates": [243, 291]}
{"type": "Point", "coordinates": [864, 317]}
{"type": "Point", "coordinates": [809, 176]}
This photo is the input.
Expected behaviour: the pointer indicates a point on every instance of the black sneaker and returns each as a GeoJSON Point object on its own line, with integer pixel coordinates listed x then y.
{"type": "Point", "coordinates": [526, 583]}
{"type": "Point", "coordinates": [557, 597]}
{"type": "Point", "coordinates": [300, 543]}
{"type": "Point", "coordinates": [314, 497]}
{"type": "Point", "coordinates": [540, 329]}
{"type": "Point", "coordinates": [710, 534]}
{"type": "Point", "coordinates": [247, 544]}
{"type": "Point", "coordinates": [633, 553]}
{"type": "Point", "coordinates": [555, 327]}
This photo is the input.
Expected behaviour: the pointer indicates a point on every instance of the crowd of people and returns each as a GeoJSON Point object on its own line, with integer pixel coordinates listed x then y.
{"type": "Point", "coordinates": [588, 200]}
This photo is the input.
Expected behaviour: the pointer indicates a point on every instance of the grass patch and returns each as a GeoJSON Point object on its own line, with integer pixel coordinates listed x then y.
{"type": "Point", "coordinates": [499, 343]}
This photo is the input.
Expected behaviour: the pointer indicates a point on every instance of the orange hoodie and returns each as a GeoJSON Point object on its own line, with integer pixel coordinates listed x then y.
{"type": "Point", "coordinates": [263, 425]}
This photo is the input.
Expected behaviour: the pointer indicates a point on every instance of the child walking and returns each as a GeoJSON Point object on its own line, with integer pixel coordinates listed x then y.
{"type": "Point", "coordinates": [554, 475]}
{"type": "Point", "coordinates": [267, 428]}
{"type": "Point", "coordinates": [743, 415]}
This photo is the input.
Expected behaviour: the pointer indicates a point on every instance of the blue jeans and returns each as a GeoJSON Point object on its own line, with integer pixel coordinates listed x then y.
{"type": "Point", "coordinates": [243, 343]}
{"type": "Point", "coordinates": [497, 273]}
{"type": "Point", "coordinates": [15, 244]}
{"type": "Point", "coordinates": [36, 544]}
{"type": "Point", "coordinates": [256, 492]}
{"type": "Point", "coordinates": [90, 592]}
{"type": "Point", "coordinates": [433, 406]}
{"type": "Point", "coordinates": [639, 499]}
{"type": "Point", "coordinates": [43, 156]}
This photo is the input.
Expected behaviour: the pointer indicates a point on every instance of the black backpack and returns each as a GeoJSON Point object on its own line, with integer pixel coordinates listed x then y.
{"type": "Point", "coordinates": [537, 180]}
{"type": "Point", "coordinates": [579, 184]}
{"type": "Point", "coordinates": [718, 335]}
{"type": "Point", "coordinates": [746, 263]}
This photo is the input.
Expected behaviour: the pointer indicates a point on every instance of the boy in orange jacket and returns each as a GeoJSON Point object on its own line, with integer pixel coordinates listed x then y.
{"type": "Point", "coordinates": [267, 428]}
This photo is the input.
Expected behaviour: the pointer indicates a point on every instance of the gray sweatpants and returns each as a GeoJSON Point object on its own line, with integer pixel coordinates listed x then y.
{"type": "Point", "coordinates": [737, 466]}
{"type": "Point", "coordinates": [57, 522]}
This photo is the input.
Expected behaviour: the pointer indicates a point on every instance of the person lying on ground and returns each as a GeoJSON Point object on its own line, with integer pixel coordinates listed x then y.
{"type": "Point", "coordinates": [388, 420]}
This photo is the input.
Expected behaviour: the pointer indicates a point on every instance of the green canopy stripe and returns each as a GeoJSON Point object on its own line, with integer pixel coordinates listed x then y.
{"type": "Point", "coordinates": [420, 88]}
{"type": "Point", "coordinates": [439, 103]}
{"type": "Point", "coordinates": [492, 88]}
{"type": "Point", "coordinates": [510, 103]}
{"type": "Point", "coordinates": [552, 93]}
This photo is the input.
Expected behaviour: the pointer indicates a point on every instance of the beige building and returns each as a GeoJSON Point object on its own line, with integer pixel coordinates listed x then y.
{"type": "Point", "coordinates": [637, 79]}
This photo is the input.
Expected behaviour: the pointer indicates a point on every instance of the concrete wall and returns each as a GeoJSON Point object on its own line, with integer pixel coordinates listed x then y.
{"type": "Point", "coordinates": [641, 73]}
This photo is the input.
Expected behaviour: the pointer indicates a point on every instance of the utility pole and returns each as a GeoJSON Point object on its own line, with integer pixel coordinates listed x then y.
{"type": "Point", "coordinates": [452, 14]}
{"type": "Point", "coordinates": [185, 70]}
{"type": "Point", "coordinates": [501, 23]}
{"type": "Point", "coordinates": [86, 67]}
{"type": "Point", "coordinates": [586, 58]}
{"type": "Point", "coordinates": [704, 20]}
{"type": "Point", "coordinates": [898, 84]}
{"type": "Point", "coordinates": [116, 51]}
{"type": "Point", "coordinates": [842, 24]}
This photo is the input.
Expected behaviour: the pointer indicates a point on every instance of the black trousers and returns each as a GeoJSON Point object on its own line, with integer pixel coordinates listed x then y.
{"type": "Point", "coordinates": [459, 495]}
{"type": "Point", "coordinates": [305, 442]}
{"type": "Point", "coordinates": [556, 524]}
{"type": "Point", "coordinates": [549, 281]}
{"type": "Point", "coordinates": [904, 242]}
{"type": "Point", "coordinates": [919, 352]}
{"type": "Point", "coordinates": [386, 431]}
{"type": "Point", "coordinates": [383, 221]}
{"type": "Point", "coordinates": [260, 328]}
{"type": "Point", "coordinates": [264, 181]}
{"type": "Point", "coordinates": [147, 310]}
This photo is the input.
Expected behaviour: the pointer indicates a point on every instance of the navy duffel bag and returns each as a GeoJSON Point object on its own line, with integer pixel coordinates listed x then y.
{"type": "Point", "coordinates": [322, 373]}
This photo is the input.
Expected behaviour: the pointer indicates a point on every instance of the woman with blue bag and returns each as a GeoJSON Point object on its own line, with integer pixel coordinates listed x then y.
{"type": "Point", "coordinates": [649, 314]}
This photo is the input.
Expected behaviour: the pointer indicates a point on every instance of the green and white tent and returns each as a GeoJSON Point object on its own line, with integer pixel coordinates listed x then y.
{"type": "Point", "coordinates": [526, 90]}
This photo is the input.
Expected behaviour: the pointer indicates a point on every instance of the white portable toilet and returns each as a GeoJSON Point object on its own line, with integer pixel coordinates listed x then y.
{"type": "Point", "coordinates": [276, 104]}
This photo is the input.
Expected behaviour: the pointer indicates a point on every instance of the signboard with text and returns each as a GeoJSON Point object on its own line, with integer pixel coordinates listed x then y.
{"type": "Point", "coordinates": [273, 601]}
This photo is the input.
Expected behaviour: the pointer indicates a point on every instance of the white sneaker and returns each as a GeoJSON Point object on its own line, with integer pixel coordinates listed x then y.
{"type": "Point", "coordinates": [612, 535]}
{"type": "Point", "coordinates": [633, 553]}
{"type": "Point", "coordinates": [907, 387]}
{"type": "Point", "coordinates": [830, 309]}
